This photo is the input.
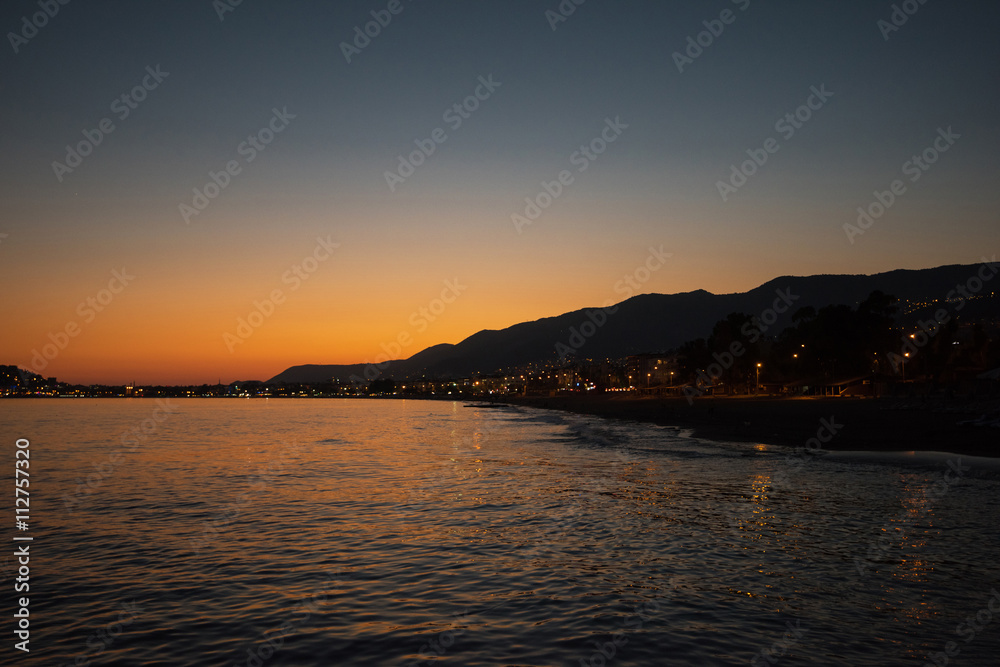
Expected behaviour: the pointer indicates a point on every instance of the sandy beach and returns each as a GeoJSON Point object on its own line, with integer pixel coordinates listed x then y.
{"type": "Point", "coordinates": [882, 424]}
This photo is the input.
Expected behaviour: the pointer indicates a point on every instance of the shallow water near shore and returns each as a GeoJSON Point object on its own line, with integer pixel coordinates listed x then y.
{"type": "Point", "coordinates": [979, 466]}
{"type": "Point", "coordinates": [318, 532]}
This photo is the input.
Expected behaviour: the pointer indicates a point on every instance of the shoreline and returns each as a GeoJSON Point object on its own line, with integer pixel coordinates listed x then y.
{"type": "Point", "coordinates": [859, 424]}
{"type": "Point", "coordinates": [867, 425]}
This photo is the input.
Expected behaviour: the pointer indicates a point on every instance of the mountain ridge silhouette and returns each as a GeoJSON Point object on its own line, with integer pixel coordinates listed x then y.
{"type": "Point", "coordinates": [648, 322]}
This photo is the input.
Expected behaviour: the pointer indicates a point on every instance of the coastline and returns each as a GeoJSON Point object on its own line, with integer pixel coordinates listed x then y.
{"type": "Point", "coordinates": [869, 424]}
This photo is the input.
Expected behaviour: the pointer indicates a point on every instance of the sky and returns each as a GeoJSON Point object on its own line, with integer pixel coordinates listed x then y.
{"type": "Point", "coordinates": [194, 191]}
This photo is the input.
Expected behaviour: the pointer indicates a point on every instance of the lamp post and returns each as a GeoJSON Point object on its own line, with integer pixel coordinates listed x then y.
{"type": "Point", "coordinates": [756, 389]}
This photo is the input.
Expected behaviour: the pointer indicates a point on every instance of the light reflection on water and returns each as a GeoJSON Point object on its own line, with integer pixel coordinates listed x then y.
{"type": "Point", "coordinates": [317, 532]}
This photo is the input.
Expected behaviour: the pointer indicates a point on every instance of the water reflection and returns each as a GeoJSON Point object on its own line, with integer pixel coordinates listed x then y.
{"type": "Point", "coordinates": [384, 530]}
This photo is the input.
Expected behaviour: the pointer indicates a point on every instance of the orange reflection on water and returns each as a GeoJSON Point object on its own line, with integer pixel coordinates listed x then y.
{"type": "Point", "coordinates": [908, 541]}
{"type": "Point", "coordinates": [762, 511]}
{"type": "Point", "coordinates": [917, 509]}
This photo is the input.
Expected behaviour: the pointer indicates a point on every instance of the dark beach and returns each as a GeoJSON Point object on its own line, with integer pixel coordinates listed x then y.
{"type": "Point", "coordinates": [867, 424]}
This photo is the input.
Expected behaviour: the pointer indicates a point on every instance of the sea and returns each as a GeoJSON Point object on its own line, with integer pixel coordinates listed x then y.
{"type": "Point", "coordinates": [411, 532]}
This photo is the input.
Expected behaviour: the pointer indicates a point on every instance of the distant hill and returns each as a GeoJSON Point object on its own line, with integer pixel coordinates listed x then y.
{"type": "Point", "coordinates": [643, 323]}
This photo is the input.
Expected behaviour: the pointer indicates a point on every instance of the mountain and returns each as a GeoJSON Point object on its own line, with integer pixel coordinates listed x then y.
{"type": "Point", "coordinates": [646, 323]}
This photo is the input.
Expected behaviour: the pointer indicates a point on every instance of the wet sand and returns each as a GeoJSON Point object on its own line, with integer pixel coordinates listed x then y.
{"type": "Point", "coordinates": [881, 425]}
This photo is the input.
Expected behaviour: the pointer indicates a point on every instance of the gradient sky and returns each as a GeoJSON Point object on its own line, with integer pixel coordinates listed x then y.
{"type": "Point", "coordinates": [323, 175]}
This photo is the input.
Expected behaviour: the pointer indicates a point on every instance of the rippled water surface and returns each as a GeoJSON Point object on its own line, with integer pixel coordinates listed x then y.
{"type": "Point", "coordinates": [351, 532]}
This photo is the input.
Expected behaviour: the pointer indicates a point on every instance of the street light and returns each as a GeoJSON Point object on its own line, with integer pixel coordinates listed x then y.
{"type": "Point", "coordinates": [757, 388]}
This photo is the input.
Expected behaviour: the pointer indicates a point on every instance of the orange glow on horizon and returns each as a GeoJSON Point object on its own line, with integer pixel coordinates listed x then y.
{"type": "Point", "coordinates": [178, 320]}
